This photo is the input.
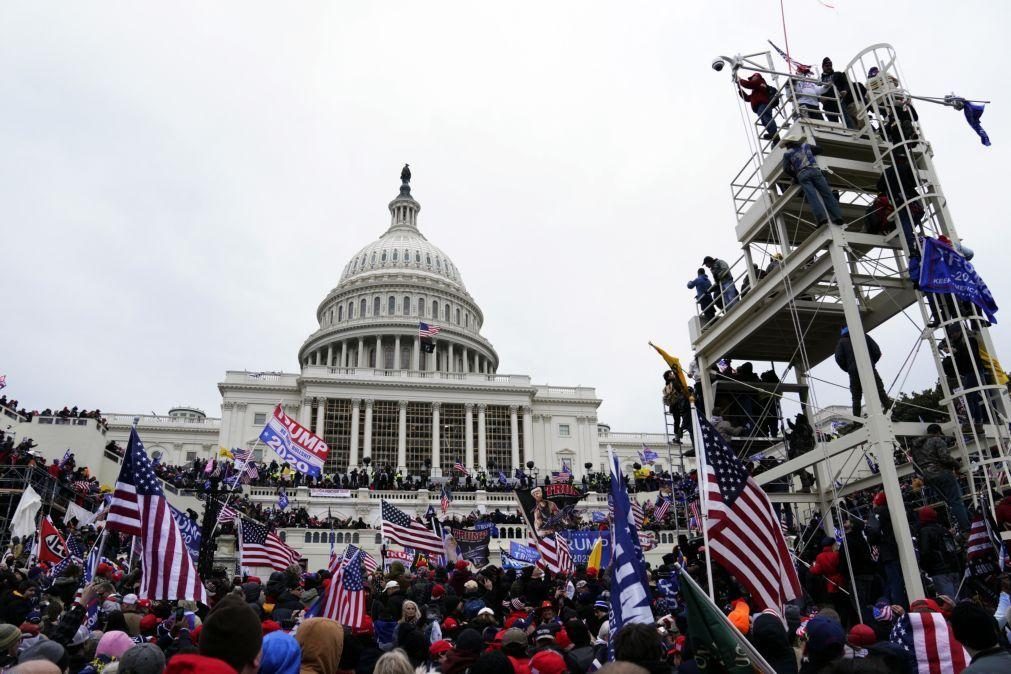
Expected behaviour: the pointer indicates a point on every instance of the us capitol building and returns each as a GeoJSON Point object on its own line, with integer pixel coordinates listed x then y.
{"type": "Point", "coordinates": [370, 390]}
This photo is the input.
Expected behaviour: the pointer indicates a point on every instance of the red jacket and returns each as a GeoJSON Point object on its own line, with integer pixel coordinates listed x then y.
{"type": "Point", "coordinates": [827, 564]}
{"type": "Point", "coordinates": [759, 91]}
{"type": "Point", "coordinates": [513, 617]}
{"type": "Point", "coordinates": [520, 665]}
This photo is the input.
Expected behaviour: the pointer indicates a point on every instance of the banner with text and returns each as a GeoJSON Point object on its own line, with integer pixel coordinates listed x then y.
{"type": "Point", "coordinates": [472, 544]}
{"type": "Point", "coordinates": [294, 443]}
{"type": "Point", "coordinates": [189, 530]}
{"type": "Point", "coordinates": [331, 493]}
{"type": "Point", "coordinates": [581, 542]}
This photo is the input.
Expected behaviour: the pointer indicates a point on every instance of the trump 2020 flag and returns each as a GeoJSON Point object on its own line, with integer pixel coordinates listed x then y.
{"type": "Point", "coordinates": [629, 600]}
{"type": "Point", "coordinates": [945, 270]}
{"type": "Point", "coordinates": [294, 443]}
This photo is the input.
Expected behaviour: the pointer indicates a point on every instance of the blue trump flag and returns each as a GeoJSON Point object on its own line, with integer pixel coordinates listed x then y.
{"type": "Point", "coordinates": [282, 500]}
{"type": "Point", "coordinates": [523, 553]}
{"type": "Point", "coordinates": [972, 114]}
{"type": "Point", "coordinates": [630, 602]}
{"type": "Point", "coordinates": [189, 530]}
{"type": "Point", "coordinates": [944, 270]}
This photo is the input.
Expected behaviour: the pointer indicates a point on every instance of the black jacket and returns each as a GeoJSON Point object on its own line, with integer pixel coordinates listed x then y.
{"type": "Point", "coordinates": [844, 353]}
{"type": "Point", "coordinates": [937, 550]}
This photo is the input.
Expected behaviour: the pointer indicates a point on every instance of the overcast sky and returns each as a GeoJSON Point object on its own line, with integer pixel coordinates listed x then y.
{"type": "Point", "coordinates": [182, 183]}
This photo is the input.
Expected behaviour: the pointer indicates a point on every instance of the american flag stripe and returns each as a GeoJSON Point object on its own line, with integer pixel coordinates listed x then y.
{"type": "Point", "coordinates": [427, 330]}
{"type": "Point", "coordinates": [931, 641]}
{"type": "Point", "coordinates": [124, 513]}
{"type": "Point", "coordinates": [662, 507]}
{"type": "Point", "coordinates": [260, 547]}
{"type": "Point", "coordinates": [555, 554]}
{"type": "Point", "coordinates": [637, 514]}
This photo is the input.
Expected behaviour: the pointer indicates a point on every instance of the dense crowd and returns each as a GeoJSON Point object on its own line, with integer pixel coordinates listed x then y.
{"type": "Point", "coordinates": [77, 481]}
{"type": "Point", "coordinates": [64, 413]}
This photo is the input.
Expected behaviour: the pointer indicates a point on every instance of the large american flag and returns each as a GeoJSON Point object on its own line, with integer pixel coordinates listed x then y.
{"type": "Point", "coordinates": [261, 547]}
{"type": "Point", "coordinates": [410, 533]}
{"type": "Point", "coordinates": [460, 468]}
{"type": "Point", "coordinates": [637, 514]}
{"type": "Point", "coordinates": [139, 508]}
{"type": "Point", "coordinates": [426, 330]}
{"type": "Point", "coordinates": [979, 544]}
{"type": "Point", "coordinates": [226, 514]}
{"type": "Point", "coordinates": [744, 533]}
{"type": "Point", "coordinates": [930, 640]}
{"type": "Point", "coordinates": [444, 499]}
{"type": "Point", "coordinates": [345, 601]}
{"type": "Point", "coordinates": [555, 554]}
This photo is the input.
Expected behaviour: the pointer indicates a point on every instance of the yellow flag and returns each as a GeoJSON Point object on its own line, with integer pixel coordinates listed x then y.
{"type": "Point", "coordinates": [596, 552]}
{"type": "Point", "coordinates": [226, 454]}
{"type": "Point", "coordinates": [995, 369]}
{"type": "Point", "coordinates": [675, 365]}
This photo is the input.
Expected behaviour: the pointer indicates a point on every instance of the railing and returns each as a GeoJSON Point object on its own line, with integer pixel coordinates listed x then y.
{"type": "Point", "coordinates": [264, 378]}
{"type": "Point", "coordinates": [380, 373]}
{"type": "Point", "coordinates": [12, 414]}
{"type": "Point", "coordinates": [162, 420]}
{"type": "Point", "coordinates": [656, 438]}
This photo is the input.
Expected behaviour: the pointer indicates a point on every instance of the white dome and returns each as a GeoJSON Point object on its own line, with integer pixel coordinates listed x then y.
{"type": "Point", "coordinates": [402, 248]}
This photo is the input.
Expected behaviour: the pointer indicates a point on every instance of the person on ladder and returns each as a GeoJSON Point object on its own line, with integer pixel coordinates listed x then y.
{"type": "Point", "coordinates": [932, 457]}
{"type": "Point", "coordinates": [799, 163]}
{"type": "Point", "coordinates": [847, 362]}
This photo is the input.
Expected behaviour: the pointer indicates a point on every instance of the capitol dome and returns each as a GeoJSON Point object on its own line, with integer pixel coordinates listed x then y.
{"type": "Point", "coordinates": [371, 319]}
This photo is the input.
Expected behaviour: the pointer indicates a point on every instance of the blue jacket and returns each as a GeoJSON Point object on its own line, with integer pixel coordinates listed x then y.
{"type": "Point", "coordinates": [798, 158]}
{"type": "Point", "coordinates": [702, 284]}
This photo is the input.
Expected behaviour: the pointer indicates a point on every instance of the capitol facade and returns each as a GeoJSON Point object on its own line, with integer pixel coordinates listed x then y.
{"type": "Point", "coordinates": [368, 386]}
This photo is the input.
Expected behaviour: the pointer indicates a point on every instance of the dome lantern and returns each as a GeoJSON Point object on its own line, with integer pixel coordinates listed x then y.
{"type": "Point", "coordinates": [404, 209]}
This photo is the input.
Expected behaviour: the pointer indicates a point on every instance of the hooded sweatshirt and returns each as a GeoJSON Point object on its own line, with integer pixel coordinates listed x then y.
{"type": "Point", "coordinates": [281, 654]}
{"type": "Point", "coordinates": [322, 641]}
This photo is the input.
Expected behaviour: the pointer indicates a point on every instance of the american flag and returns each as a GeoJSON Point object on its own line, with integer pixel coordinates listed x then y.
{"type": "Point", "coordinates": [74, 546]}
{"type": "Point", "coordinates": [744, 533]}
{"type": "Point", "coordinates": [662, 507]}
{"type": "Point", "coordinates": [637, 513]}
{"type": "Point", "coordinates": [979, 543]}
{"type": "Point", "coordinates": [345, 601]}
{"type": "Point", "coordinates": [560, 476]}
{"type": "Point", "coordinates": [139, 508]}
{"type": "Point", "coordinates": [369, 562]}
{"type": "Point", "coordinates": [930, 640]}
{"type": "Point", "coordinates": [555, 554]}
{"type": "Point", "coordinates": [260, 547]}
{"type": "Point", "coordinates": [400, 528]}
{"type": "Point", "coordinates": [250, 473]}
{"type": "Point", "coordinates": [241, 454]}
{"type": "Point", "coordinates": [444, 499]}
{"type": "Point", "coordinates": [82, 486]}
{"type": "Point", "coordinates": [693, 508]}
{"type": "Point", "coordinates": [460, 468]}
{"type": "Point", "coordinates": [786, 57]}
{"type": "Point", "coordinates": [426, 330]}
{"type": "Point", "coordinates": [226, 514]}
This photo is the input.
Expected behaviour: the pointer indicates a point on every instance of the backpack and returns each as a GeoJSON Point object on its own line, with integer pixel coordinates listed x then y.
{"type": "Point", "coordinates": [877, 214]}
{"type": "Point", "coordinates": [771, 92]}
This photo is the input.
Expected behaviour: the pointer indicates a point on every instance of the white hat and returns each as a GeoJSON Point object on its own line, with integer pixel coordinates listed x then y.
{"type": "Point", "coordinates": [130, 599]}
{"type": "Point", "coordinates": [796, 135]}
{"type": "Point", "coordinates": [486, 611]}
{"type": "Point", "coordinates": [392, 584]}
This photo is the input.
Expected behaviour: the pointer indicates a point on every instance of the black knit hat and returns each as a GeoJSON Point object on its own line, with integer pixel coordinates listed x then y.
{"type": "Point", "coordinates": [232, 633]}
{"type": "Point", "coordinates": [974, 626]}
{"type": "Point", "coordinates": [469, 641]}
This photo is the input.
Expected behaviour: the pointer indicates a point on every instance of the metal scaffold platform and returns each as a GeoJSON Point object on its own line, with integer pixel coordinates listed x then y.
{"type": "Point", "coordinates": [797, 284]}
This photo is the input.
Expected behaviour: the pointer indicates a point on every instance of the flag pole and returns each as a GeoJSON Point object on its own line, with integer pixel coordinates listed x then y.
{"type": "Point", "coordinates": [700, 454]}
{"type": "Point", "coordinates": [756, 658]}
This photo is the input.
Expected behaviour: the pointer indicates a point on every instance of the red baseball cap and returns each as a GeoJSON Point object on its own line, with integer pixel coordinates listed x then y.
{"type": "Point", "coordinates": [439, 647]}
{"type": "Point", "coordinates": [547, 662]}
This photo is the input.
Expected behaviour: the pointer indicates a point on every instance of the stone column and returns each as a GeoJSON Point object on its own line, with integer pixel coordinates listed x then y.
{"type": "Point", "coordinates": [435, 358]}
{"type": "Point", "coordinates": [380, 362]}
{"type": "Point", "coordinates": [356, 410]}
{"type": "Point", "coordinates": [482, 439]}
{"type": "Point", "coordinates": [402, 437]}
{"type": "Point", "coordinates": [329, 355]}
{"type": "Point", "coordinates": [528, 434]}
{"type": "Point", "coordinates": [468, 437]}
{"type": "Point", "coordinates": [514, 429]}
{"type": "Point", "coordinates": [416, 356]}
{"type": "Point", "coordinates": [320, 411]}
{"type": "Point", "coordinates": [367, 442]}
{"type": "Point", "coordinates": [396, 352]}
{"type": "Point", "coordinates": [436, 433]}
{"type": "Point", "coordinates": [305, 412]}
{"type": "Point", "coordinates": [466, 361]}
{"type": "Point", "coordinates": [361, 353]}
{"type": "Point", "coordinates": [228, 422]}
{"type": "Point", "coordinates": [450, 365]}
{"type": "Point", "coordinates": [344, 353]}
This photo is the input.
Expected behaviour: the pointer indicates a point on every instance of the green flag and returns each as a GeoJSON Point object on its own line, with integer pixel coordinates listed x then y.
{"type": "Point", "coordinates": [718, 645]}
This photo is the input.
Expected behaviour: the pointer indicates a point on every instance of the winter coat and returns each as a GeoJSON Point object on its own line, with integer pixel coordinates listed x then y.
{"type": "Point", "coordinates": [936, 549]}
{"type": "Point", "coordinates": [759, 88]}
{"type": "Point", "coordinates": [827, 564]}
{"type": "Point", "coordinates": [859, 559]}
{"type": "Point", "coordinates": [933, 456]}
{"type": "Point", "coordinates": [844, 353]}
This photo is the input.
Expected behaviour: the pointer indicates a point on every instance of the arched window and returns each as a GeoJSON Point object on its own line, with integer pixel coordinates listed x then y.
{"type": "Point", "coordinates": [375, 306]}
{"type": "Point", "coordinates": [308, 537]}
{"type": "Point", "coordinates": [407, 256]}
{"type": "Point", "coordinates": [383, 256]}
{"type": "Point", "coordinates": [421, 307]}
{"type": "Point", "coordinates": [340, 313]}
{"type": "Point", "coordinates": [445, 313]}
{"type": "Point", "coordinates": [428, 259]}
{"type": "Point", "coordinates": [351, 310]}
{"type": "Point", "coordinates": [391, 305]}
{"type": "Point", "coordinates": [396, 253]}
{"type": "Point", "coordinates": [435, 309]}
{"type": "Point", "coordinates": [373, 258]}
{"type": "Point", "coordinates": [407, 305]}
{"type": "Point", "coordinates": [417, 256]}
{"type": "Point", "coordinates": [466, 320]}
{"type": "Point", "coordinates": [458, 317]}
{"type": "Point", "coordinates": [354, 538]}
{"type": "Point", "coordinates": [361, 308]}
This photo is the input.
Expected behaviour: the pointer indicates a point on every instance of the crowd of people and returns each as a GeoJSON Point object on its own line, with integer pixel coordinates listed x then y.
{"type": "Point", "coordinates": [66, 413]}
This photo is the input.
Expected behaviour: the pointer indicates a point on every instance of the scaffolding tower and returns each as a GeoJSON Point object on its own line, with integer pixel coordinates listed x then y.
{"type": "Point", "coordinates": [804, 282]}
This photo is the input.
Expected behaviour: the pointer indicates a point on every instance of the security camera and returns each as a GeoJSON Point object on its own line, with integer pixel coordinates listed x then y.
{"type": "Point", "coordinates": [718, 64]}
